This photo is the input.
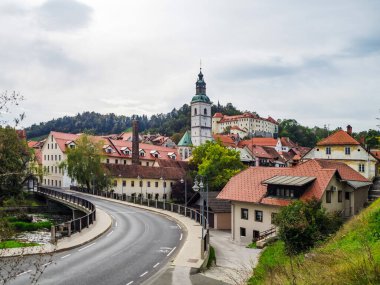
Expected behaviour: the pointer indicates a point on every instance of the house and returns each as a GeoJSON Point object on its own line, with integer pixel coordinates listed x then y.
{"type": "Point", "coordinates": [185, 146]}
{"type": "Point", "coordinates": [258, 193]}
{"type": "Point", "coordinates": [219, 211]}
{"type": "Point", "coordinates": [342, 147]}
{"type": "Point", "coordinates": [145, 181]}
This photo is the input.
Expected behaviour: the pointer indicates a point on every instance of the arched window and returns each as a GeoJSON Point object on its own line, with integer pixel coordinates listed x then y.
{"type": "Point", "coordinates": [195, 111]}
{"type": "Point", "coordinates": [205, 112]}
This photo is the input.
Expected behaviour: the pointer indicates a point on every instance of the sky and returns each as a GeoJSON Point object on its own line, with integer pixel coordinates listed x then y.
{"type": "Point", "coordinates": [314, 61]}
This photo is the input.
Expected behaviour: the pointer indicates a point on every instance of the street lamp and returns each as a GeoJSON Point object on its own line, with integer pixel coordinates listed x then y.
{"type": "Point", "coordinates": [122, 187]}
{"type": "Point", "coordinates": [185, 181]}
{"type": "Point", "coordinates": [93, 183]}
{"type": "Point", "coordinates": [199, 185]}
{"type": "Point", "coordinates": [164, 183]}
{"type": "Point", "coordinates": [140, 181]}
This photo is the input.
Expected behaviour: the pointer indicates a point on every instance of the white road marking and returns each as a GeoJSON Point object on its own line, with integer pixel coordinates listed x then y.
{"type": "Point", "coordinates": [115, 224]}
{"type": "Point", "coordinates": [46, 264]}
{"type": "Point", "coordinates": [146, 272]}
{"type": "Point", "coordinates": [86, 247]}
{"type": "Point", "coordinates": [24, 272]}
{"type": "Point", "coordinates": [130, 283]}
{"type": "Point", "coordinates": [66, 256]}
{"type": "Point", "coordinates": [112, 216]}
{"type": "Point", "coordinates": [171, 251]}
{"type": "Point", "coordinates": [110, 233]}
{"type": "Point", "coordinates": [179, 226]}
{"type": "Point", "coordinates": [180, 237]}
{"type": "Point", "coordinates": [154, 266]}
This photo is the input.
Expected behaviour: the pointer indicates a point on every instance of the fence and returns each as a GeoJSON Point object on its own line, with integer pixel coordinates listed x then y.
{"type": "Point", "coordinates": [75, 225]}
{"type": "Point", "coordinates": [158, 204]}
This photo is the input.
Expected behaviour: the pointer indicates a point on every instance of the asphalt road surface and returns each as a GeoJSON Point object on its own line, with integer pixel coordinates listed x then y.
{"type": "Point", "coordinates": [136, 247]}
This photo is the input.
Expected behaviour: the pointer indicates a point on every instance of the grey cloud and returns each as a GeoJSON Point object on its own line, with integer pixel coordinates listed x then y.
{"type": "Point", "coordinates": [12, 9]}
{"type": "Point", "coordinates": [363, 47]}
{"type": "Point", "coordinates": [63, 15]}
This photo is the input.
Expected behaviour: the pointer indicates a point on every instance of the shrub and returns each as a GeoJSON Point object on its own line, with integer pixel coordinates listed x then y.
{"type": "Point", "coordinates": [23, 226]}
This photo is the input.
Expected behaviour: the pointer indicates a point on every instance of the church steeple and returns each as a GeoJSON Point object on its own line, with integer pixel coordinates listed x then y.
{"type": "Point", "coordinates": [200, 84]}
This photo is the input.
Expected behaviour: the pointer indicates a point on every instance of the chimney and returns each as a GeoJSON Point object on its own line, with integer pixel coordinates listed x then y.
{"type": "Point", "coordinates": [349, 130]}
{"type": "Point", "coordinates": [135, 142]}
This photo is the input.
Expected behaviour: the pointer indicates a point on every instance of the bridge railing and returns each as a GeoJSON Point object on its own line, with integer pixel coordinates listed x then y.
{"type": "Point", "coordinates": [159, 204]}
{"type": "Point", "coordinates": [74, 225]}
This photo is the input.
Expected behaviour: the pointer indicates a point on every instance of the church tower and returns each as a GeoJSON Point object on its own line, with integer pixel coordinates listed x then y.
{"type": "Point", "coordinates": [200, 114]}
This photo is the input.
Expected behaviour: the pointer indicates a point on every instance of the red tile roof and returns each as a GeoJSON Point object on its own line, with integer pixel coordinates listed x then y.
{"type": "Point", "coordinates": [146, 172]}
{"type": "Point", "coordinates": [259, 141]}
{"type": "Point", "coordinates": [32, 144]}
{"type": "Point", "coordinates": [38, 155]}
{"type": "Point", "coordinates": [63, 138]}
{"type": "Point", "coordinates": [218, 115]}
{"type": "Point", "coordinates": [339, 138]}
{"type": "Point", "coordinates": [226, 140]}
{"type": "Point", "coordinates": [376, 153]}
{"type": "Point", "coordinates": [247, 185]}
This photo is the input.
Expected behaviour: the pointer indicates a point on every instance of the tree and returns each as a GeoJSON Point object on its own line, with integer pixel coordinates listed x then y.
{"type": "Point", "coordinates": [302, 224]}
{"type": "Point", "coordinates": [217, 163]}
{"type": "Point", "coordinates": [6, 101]}
{"type": "Point", "coordinates": [84, 163]}
{"type": "Point", "coordinates": [14, 156]}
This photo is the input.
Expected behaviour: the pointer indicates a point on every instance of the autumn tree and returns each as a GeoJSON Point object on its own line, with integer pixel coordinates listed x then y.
{"type": "Point", "coordinates": [217, 163]}
{"type": "Point", "coordinates": [84, 162]}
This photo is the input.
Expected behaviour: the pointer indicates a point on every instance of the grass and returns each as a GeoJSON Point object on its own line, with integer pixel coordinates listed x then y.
{"type": "Point", "coordinates": [15, 244]}
{"type": "Point", "coordinates": [211, 258]}
{"type": "Point", "coordinates": [351, 256]}
{"type": "Point", "coordinates": [252, 245]}
{"type": "Point", "coordinates": [26, 227]}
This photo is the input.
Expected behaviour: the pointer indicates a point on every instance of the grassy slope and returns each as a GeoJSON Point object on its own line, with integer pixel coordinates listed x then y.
{"type": "Point", "coordinates": [352, 256]}
{"type": "Point", "coordinates": [14, 244]}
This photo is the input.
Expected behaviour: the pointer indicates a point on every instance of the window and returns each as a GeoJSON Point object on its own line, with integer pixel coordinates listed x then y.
{"type": "Point", "coordinates": [60, 184]}
{"type": "Point", "coordinates": [328, 196]}
{"type": "Point", "coordinates": [116, 161]}
{"type": "Point", "coordinates": [361, 167]}
{"type": "Point", "coordinates": [347, 150]}
{"type": "Point", "coordinates": [48, 146]}
{"type": "Point", "coordinates": [244, 214]}
{"type": "Point", "coordinates": [124, 183]}
{"type": "Point", "coordinates": [256, 235]}
{"type": "Point", "coordinates": [147, 163]}
{"type": "Point", "coordinates": [56, 169]}
{"type": "Point", "coordinates": [195, 111]}
{"type": "Point", "coordinates": [125, 162]}
{"type": "Point", "coordinates": [258, 216]}
{"type": "Point", "coordinates": [55, 157]}
{"type": "Point", "coordinates": [340, 196]}
{"type": "Point", "coordinates": [164, 183]}
{"type": "Point", "coordinates": [273, 216]}
{"type": "Point", "coordinates": [205, 112]}
{"type": "Point", "coordinates": [328, 150]}
{"type": "Point", "coordinates": [107, 160]}
{"type": "Point", "coordinates": [48, 168]}
{"type": "Point", "coordinates": [242, 232]}
{"type": "Point", "coordinates": [56, 145]}
{"type": "Point", "coordinates": [148, 184]}
{"type": "Point", "coordinates": [347, 195]}
{"type": "Point", "coordinates": [59, 157]}
{"type": "Point", "coordinates": [132, 183]}
{"type": "Point", "coordinates": [51, 138]}
{"type": "Point", "coordinates": [115, 183]}
{"type": "Point", "coordinates": [51, 157]}
{"type": "Point", "coordinates": [156, 184]}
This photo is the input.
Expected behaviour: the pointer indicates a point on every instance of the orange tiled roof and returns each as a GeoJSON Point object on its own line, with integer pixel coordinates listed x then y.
{"type": "Point", "coordinates": [376, 153]}
{"type": "Point", "coordinates": [62, 138]}
{"type": "Point", "coordinates": [32, 144]}
{"type": "Point", "coordinates": [339, 138]}
{"type": "Point", "coordinates": [258, 141]}
{"type": "Point", "coordinates": [247, 185]}
{"type": "Point", "coordinates": [218, 115]}
{"type": "Point", "coordinates": [226, 140]}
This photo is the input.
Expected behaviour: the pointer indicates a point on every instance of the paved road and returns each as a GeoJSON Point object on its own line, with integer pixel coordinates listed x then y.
{"type": "Point", "coordinates": [136, 247]}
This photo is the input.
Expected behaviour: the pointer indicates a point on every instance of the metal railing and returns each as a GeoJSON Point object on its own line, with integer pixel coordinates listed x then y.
{"type": "Point", "coordinates": [74, 225]}
{"type": "Point", "coordinates": [265, 234]}
{"type": "Point", "coordinates": [158, 204]}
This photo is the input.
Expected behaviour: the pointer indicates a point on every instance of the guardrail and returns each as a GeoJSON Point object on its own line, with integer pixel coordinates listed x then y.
{"type": "Point", "coordinates": [158, 204]}
{"type": "Point", "coordinates": [75, 225]}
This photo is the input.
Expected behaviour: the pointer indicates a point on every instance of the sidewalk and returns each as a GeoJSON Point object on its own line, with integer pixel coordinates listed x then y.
{"type": "Point", "coordinates": [102, 224]}
{"type": "Point", "coordinates": [234, 263]}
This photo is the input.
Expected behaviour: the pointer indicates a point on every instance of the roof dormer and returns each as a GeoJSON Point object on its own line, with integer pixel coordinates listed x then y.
{"type": "Point", "coordinates": [154, 153]}
{"type": "Point", "coordinates": [107, 148]}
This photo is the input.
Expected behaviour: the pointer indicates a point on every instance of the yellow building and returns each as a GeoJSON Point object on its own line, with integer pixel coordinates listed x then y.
{"type": "Point", "coordinates": [342, 147]}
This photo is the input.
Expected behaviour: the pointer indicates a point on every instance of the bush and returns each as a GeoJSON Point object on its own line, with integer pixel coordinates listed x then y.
{"type": "Point", "coordinates": [303, 224]}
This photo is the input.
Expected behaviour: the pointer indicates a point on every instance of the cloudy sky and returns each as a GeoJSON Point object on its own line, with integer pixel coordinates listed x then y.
{"type": "Point", "coordinates": [315, 61]}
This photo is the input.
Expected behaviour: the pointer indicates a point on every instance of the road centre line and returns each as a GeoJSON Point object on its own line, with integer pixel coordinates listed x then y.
{"type": "Point", "coordinates": [30, 270]}
{"type": "Point", "coordinates": [130, 283]}
{"type": "Point", "coordinates": [171, 251]}
{"type": "Point", "coordinates": [46, 264]}
{"type": "Point", "coordinates": [154, 266]}
{"type": "Point", "coordinates": [67, 255]}
{"type": "Point", "coordinates": [180, 237]}
{"type": "Point", "coordinates": [116, 224]}
{"type": "Point", "coordinates": [86, 247]}
{"type": "Point", "coordinates": [179, 226]}
{"type": "Point", "coordinates": [110, 233]}
{"type": "Point", "coordinates": [146, 272]}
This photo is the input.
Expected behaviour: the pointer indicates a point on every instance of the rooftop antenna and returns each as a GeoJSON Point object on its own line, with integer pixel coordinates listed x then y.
{"type": "Point", "coordinates": [200, 64]}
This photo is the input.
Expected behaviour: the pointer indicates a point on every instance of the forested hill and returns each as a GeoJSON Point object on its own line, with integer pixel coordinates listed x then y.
{"type": "Point", "coordinates": [177, 121]}
{"type": "Point", "coordinates": [174, 124]}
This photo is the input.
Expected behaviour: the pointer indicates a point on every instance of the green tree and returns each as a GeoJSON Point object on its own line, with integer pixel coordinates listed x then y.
{"type": "Point", "coordinates": [84, 163]}
{"type": "Point", "coordinates": [14, 156]}
{"type": "Point", "coordinates": [302, 224]}
{"type": "Point", "coordinates": [217, 163]}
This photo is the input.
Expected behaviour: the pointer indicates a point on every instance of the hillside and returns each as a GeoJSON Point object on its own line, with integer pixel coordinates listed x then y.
{"type": "Point", "coordinates": [351, 256]}
{"type": "Point", "coordinates": [176, 121]}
